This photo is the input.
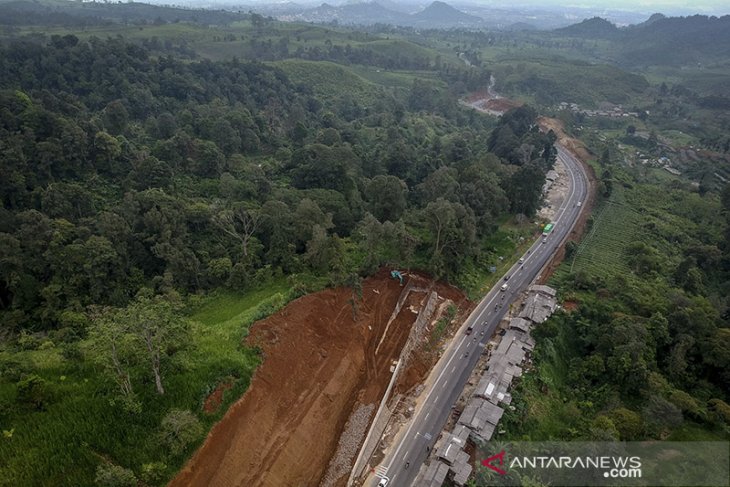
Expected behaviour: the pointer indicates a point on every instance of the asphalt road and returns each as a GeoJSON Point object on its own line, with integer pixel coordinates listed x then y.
{"type": "Point", "coordinates": [453, 369]}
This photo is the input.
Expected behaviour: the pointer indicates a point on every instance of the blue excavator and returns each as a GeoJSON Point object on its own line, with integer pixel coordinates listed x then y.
{"type": "Point", "coordinates": [397, 275]}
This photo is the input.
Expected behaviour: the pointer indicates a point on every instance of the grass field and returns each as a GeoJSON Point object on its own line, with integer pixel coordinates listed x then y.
{"type": "Point", "coordinates": [78, 428]}
{"type": "Point", "coordinates": [330, 80]}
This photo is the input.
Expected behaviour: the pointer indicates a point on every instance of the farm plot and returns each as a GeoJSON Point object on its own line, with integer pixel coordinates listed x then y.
{"type": "Point", "coordinates": [603, 251]}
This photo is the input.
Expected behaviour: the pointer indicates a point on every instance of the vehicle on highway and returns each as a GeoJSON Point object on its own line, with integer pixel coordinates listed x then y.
{"type": "Point", "coordinates": [383, 482]}
{"type": "Point", "coordinates": [521, 260]}
{"type": "Point", "coordinates": [544, 240]}
{"type": "Point", "coordinates": [548, 228]}
{"type": "Point", "coordinates": [506, 278]}
{"type": "Point", "coordinates": [578, 204]}
{"type": "Point", "coordinates": [504, 287]}
{"type": "Point", "coordinates": [470, 329]}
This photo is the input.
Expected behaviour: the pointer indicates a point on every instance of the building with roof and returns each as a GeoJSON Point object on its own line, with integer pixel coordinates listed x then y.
{"type": "Point", "coordinates": [520, 324]}
{"type": "Point", "coordinates": [538, 307]}
{"type": "Point", "coordinates": [546, 290]}
{"type": "Point", "coordinates": [433, 476]}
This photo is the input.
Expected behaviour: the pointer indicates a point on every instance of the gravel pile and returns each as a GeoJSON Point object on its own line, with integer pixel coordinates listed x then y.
{"type": "Point", "coordinates": [349, 445]}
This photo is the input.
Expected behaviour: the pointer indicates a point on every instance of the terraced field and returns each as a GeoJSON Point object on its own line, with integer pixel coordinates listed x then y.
{"type": "Point", "coordinates": [603, 251]}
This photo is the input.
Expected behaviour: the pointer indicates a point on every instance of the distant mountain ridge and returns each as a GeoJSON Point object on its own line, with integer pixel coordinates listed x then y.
{"type": "Point", "coordinates": [665, 40]}
{"type": "Point", "coordinates": [437, 14]}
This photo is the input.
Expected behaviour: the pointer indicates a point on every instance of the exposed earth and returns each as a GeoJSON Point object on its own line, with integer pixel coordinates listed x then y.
{"type": "Point", "coordinates": [489, 102]}
{"type": "Point", "coordinates": [326, 365]}
{"type": "Point", "coordinates": [320, 364]}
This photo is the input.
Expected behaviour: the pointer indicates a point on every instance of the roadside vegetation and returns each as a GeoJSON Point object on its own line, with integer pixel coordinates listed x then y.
{"type": "Point", "coordinates": [641, 349]}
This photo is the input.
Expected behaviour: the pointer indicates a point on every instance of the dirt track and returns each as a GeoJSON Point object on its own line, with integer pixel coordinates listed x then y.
{"type": "Point", "coordinates": [319, 363]}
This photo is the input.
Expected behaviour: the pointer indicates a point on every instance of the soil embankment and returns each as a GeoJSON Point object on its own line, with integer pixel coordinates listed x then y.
{"type": "Point", "coordinates": [320, 364]}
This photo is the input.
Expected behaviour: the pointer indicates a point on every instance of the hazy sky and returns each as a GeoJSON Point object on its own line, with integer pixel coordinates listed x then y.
{"type": "Point", "coordinates": [715, 7]}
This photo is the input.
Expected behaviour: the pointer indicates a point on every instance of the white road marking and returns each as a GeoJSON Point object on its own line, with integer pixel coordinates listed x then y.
{"type": "Point", "coordinates": [485, 309]}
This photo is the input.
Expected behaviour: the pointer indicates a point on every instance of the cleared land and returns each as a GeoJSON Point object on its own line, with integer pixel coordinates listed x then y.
{"type": "Point", "coordinates": [320, 364]}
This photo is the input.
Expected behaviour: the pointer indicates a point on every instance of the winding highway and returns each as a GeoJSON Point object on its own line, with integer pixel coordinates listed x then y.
{"type": "Point", "coordinates": [448, 378]}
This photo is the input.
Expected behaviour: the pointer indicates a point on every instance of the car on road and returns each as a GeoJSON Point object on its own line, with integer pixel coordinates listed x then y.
{"type": "Point", "coordinates": [504, 287]}
{"type": "Point", "coordinates": [470, 329]}
{"type": "Point", "coordinates": [506, 278]}
{"type": "Point", "coordinates": [544, 240]}
{"type": "Point", "coordinates": [578, 204]}
{"type": "Point", "coordinates": [522, 261]}
{"type": "Point", "coordinates": [383, 482]}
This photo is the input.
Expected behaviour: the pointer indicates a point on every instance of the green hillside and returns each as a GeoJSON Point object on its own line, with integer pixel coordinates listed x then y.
{"type": "Point", "coordinates": [330, 80]}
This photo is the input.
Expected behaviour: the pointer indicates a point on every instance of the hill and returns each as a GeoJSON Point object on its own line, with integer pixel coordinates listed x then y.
{"type": "Point", "coordinates": [677, 41]}
{"type": "Point", "coordinates": [26, 12]}
{"type": "Point", "coordinates": [437, 14]}
{"type": "Point", "coordinates": [594, 28]}
{"type": "Point", "coordinates": [440, 13]}
{"type": "Point", "coordinates": [359, 13]}
{"type": "Point", "coordinates": [660, 40]}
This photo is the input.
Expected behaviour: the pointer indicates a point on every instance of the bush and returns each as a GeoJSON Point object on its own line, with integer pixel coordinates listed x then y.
{"type": "Point", "coordinates": [27, 341]}
{"type": "Point", "coordinates": [179, 430]}
{"type": "Point", "coordinates": [661, 416]}
{"type": "Point", "coordinates": [628, 423]}
{"type": "Point", "coordinates": [33, 392]}
{"type": "Point", "coordinates": [110, 475]}
{"type": "Point", "coordinates": [721, 409]}
{"type": "Point", "coordinates": [13, 370]}
{"type": "Point", "coordinates": [154, 473]}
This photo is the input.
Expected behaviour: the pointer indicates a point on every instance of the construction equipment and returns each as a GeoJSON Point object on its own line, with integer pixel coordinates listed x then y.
{"type": "Point", "coordinates": [397, 275]}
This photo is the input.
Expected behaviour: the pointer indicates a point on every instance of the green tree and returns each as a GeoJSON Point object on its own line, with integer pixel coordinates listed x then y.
{"type": "Point", "coordinates": [441, 183]}
{"type": "Point", "coordinates": [179, 429]}
{"type": "Point", "coordinates": [113, 345]}
{"type": "Point", "coordinates": [110, 475]}
{"type": "Point", "coordinates": [240, 223]}
{"type": "Point", "coordinates": [453, 232]}
{"type": "Point", "coordinates": [158, 328]}
{"type": "Point", "coordinates": [116, 117]}
{"type": "Point", "coordinates": [628, 423]}
{"type": "Point", "coordinates": [386, 197]}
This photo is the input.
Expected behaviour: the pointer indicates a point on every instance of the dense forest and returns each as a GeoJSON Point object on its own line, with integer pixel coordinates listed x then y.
{"type": "Point", "coordinates": [134, 182]}
{"type": "Point", "coordinates": [124, 171]}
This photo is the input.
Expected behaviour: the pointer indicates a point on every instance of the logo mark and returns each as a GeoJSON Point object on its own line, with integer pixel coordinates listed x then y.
{"type": "Point", "coordinates": [488, 463]}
